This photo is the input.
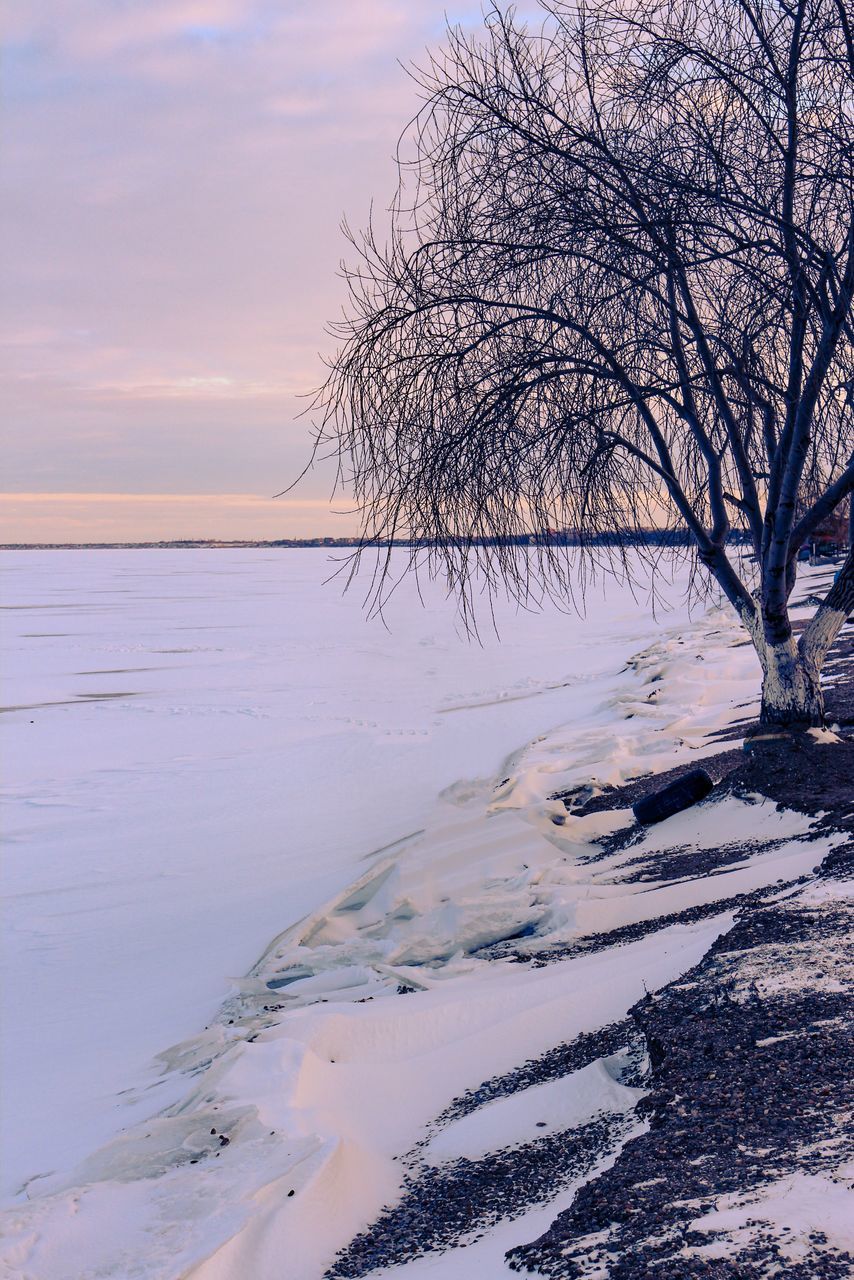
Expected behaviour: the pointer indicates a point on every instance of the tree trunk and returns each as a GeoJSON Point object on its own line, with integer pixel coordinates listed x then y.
{"type": "Point", "coordinates": [791, 670]}
{"type": "Point", "coordinates": [791, 688]}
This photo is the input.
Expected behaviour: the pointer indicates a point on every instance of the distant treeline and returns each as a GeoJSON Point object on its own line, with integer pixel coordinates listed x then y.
{"type": "Point", "coordinates": [553, 538]}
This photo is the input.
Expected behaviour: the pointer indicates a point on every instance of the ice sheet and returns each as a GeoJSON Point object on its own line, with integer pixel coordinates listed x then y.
{"type": "Point", "coordinates": [208, 743]}
{"type": "Point", "coordinates": [283, 795]}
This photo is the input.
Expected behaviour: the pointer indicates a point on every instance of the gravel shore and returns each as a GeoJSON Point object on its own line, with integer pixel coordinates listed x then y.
{"type": "Point", "coordinates": [745, 1060]}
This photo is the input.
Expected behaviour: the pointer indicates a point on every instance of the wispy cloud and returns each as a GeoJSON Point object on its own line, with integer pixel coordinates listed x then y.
{"type": "Point", "coordinates": [175, 174]}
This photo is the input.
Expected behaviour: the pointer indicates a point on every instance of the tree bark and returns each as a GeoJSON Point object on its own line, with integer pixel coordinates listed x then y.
{"type": "Point", "coordinates": [791, 688]}
{"type": "Point", "coordinates": [829, 619]}
{"type": "Point", "coordinates": [791, 675]}
{"type": "Point", "coordinates": [791, 669]}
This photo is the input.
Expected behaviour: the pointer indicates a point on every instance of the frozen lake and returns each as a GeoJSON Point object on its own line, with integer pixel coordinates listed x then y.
{"type": "Point", "coordinates": [200, 747]}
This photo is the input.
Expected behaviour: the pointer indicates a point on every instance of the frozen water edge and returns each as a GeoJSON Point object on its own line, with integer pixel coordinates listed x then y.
{"type": "Point", "coordinates": [265, 738]}
{"type": "Point", "coordinates": [318, 1095]}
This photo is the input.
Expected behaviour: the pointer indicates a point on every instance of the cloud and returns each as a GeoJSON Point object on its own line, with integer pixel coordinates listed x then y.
{"type": "Point", "coordinates": [175, 175]}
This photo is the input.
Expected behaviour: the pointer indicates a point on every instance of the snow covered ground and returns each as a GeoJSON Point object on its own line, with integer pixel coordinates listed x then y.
{"type": "Point", "coordinates": [212, 758]}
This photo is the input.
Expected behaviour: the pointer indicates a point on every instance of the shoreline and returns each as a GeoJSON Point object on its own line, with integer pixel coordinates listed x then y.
{"type": "Point", "coordinates": [575, 1068]}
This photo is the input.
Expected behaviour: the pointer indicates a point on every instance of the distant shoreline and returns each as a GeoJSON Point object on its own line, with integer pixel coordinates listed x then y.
{"type": "Point", "coordinates": [650, 537]}
{"type": "Point", "coordinates": [179, 544]}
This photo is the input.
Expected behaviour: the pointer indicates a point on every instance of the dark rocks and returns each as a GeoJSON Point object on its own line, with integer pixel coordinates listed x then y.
{"type": "Point", "coordinates": [750, 1068]}
{"type": "Point", "coordinates": [747, 1061]}
{"type": "Point", "coordinates": [445, 1206]}
{"type": "Point", "coordinates": [593, 942]}
{"type": "Point", "coordinates": [553, 1065]}
{"type": "Point", "coordinates": [441, 1207]}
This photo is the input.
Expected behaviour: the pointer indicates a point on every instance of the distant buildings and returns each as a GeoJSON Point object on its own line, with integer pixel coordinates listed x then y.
{"type": "Point", "coordinates": [831, 536]}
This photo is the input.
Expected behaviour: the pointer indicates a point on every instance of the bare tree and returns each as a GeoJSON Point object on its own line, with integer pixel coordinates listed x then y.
{"type": "Point", "coordinates": [617, 294]}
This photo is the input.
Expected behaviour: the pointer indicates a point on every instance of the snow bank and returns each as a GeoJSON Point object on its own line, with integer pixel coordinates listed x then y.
{"type": "Point", "coordinates": [795, 1207]}
{"type": "Point", "coordinates": [274, 1135]}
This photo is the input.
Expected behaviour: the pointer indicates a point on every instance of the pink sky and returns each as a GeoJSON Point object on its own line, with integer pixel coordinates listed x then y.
{"type": "Point", "coordinates": [174, 175]}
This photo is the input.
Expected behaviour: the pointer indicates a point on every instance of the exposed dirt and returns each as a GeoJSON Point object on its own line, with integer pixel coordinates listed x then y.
{"type": "Point", "coordinates": [751, 1057]}
{"type": "Point", "coordinates": [717, 767]}
{"type": "Point", "coordinates": [555, 1064]}
{"type": "Point", "coordinates": [749, 1083]}
{"type": "Point", "coordinates": [592, 942]}
{"type": "Point", "coordinates": [455, 1203]}
{"type": "Point", "coordinates": [746, 1060]}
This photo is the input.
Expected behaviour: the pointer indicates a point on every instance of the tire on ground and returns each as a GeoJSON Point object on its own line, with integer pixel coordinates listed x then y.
{"type": "Point", "coordinates": [679, 795]}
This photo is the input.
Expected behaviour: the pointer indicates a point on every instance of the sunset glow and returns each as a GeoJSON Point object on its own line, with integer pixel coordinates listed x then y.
{"type": "Point", "coordinates": [175, 175]}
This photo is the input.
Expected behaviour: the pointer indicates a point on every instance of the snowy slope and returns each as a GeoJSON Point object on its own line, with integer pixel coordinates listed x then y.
{"type": "Point", "coordinates": [388, 821]}
{"type": "Point", "coordinates": [205, 746]}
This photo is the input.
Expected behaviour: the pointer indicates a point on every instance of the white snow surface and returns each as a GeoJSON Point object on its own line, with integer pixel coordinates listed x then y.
{"type": "Point", "coordinates": [511, 1121]}
{"type": "Point", "coordinates": [794, 1208]}
{"type": "Point", "coordinates": [207, 750]}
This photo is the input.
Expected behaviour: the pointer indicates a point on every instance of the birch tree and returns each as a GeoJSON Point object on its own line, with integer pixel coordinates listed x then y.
{"type": "Point", "coordinates": [617, 294]}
